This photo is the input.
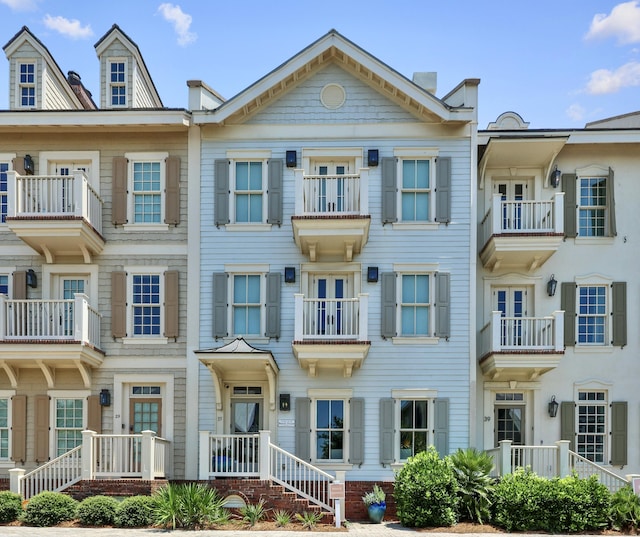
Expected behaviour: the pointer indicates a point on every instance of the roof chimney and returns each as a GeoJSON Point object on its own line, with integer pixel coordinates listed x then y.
{"type": "Point", "coordinates": [83, 94]}
{"type": "Point", "coordinates": [427, 80]}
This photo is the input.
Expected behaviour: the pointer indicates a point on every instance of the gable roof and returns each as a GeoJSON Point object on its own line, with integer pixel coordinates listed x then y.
{"type": "Point", "coordinates": [335, 48]}
{"type": "Point", "coordinates": [26, 35]}
{"type": "Point", "coordinates": [116, 33]}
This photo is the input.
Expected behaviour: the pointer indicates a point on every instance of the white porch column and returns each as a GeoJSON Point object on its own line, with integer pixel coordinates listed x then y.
{"type": "Point", "coordinates": [204, 456]}
{"type": "Point", "coordinates": [3, 308]}
{"type": "Point", "coordinates": [148, 454]}
{"type": "Point", "coordinates": [363, 328]}
{"type": "Point", "coordinates": [299, 192]}
{"type": "Point", "coordinates": [364, 191]}
{"type": "Point", "coordinates": [337, 503]}
{"type": "Point", "coordinates": [298, 315]}
{"type": "Point", "coordinates": [15, 474]}
{"type": "Point", "coordinates": [88, 463]}
{"type": "Point", "coordinates": [79, 195]}
{"type": "Point", "coordinates": [12, 193]}
{"type": "Point", "coordinates": [505, 457]}
{"type": "Point", "coordinates": [558, 212]}
{"type": "Point", "coordinates": [265, 455]}
{"type": "Point", "coordinates": [496, 215]}
{"type": "Point", "coordinates": [81, 317]}
{"type": "Point", "coordinates": [495, 344]}
{"type": "Point", "coordinates": [559, 330]}
{"type": "Point", "coordinates": [563, 458]}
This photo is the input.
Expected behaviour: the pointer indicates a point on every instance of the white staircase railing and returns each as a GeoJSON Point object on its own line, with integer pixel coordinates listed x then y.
{"type": "Point", "coordinates": [585, 468]}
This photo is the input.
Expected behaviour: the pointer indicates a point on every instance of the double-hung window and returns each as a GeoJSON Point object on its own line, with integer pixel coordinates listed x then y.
{"type": "Point", "coordinates": [592, 425]}
{"type": "Point", "coordinates": [415, 190]}
{"type": "Point", "coordinates": [4, 284]}
{"type": "Point", "coordinates": [5, 427]}
{"type": "Point", "coordinates": [414, 426]}
{"type": "Point", "coordinates": [68, 424]}
{"type": "Point", "coordinates": [247, 304]}
{"type": "Point", "coordinates": [27, 84]}
{"type": "Point", "coordinates": [593, 318]}
{"type": "Point", "coordinates": [329, 430]}
{"type": "Point", "coordinates": [146, 305]}
{"type": "Point", "coordinates": [589, 203]}
{"type": "Point", "coordinates": [415, 304]}
{"type": "Point", "coordinates": [249, 191]}
{"type": "Point", "coordinates": [147, 177]}
{"type": "Point", "coordinates": [4, 167]}
{"type": "Point", "coordinates": [117, 83]}
{"type": "Point", "coordinates": [592, 207]}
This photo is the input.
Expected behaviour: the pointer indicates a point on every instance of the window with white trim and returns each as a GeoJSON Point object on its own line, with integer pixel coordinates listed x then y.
{"type": "Point", "coordinates": [248, 185]}
{"type": "Point", "coordinates": [146, 303]}
{"type": "Point", "coordinates": [246, 308]}
{"type": "Point", "coordinates": [416, 178]}
{"type": "Point", "coordinates": [147, 176]}
{"type": "Point", "coordinates": [593, 315]}
{"type": "Point", "coordinates": [5, 427]}
{"type": "Point", "coordinates": [415, 305]}
{"type": "Point", "coordinates": [413, 431]}
{"type": "Point", "coordinates": [117, 83]}
{"type": "Point", "coordinates": [591, 438]}
{"type": "Point", "coordinates": [4, 284]}
{"type": "Point", "coordinates": [68, 423]}
{"type": "Point", "coordinates": [592, 207]}
{"type": "Point", "coordinates": [329, 429]}
{"type": "Point", "coordinates": [27, 84]}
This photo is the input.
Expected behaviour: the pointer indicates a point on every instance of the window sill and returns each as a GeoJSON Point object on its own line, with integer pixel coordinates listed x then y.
{"type": "Point", "coordinates": [419, 226]}
{"type": "Point", "coordinates": [248, 227]}
{"type": "Point", "coordinates": [335, 466]}
{"type": "Point", "coordinates": [593, 349]}
{"type": "Point", "coordinates": [145, 340]}
{"type": "Point", "coordinates": [400, 340]}
{"type": "Point", "coordinates": [145, 227]}
{"type": "Point", "coordinates": [599, 241]}
{"type": "Point", "coordinates": [260, 340]}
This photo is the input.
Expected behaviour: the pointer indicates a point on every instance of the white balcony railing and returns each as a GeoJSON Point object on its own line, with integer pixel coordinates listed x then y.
{"type": "Point", "coordinates": [522, 217]}
{"type": "Point", "coordinates": [331, 318]}
{"type": "Point", "coordinates": [54, 196]}
{"type": "Point", "coordinates": [504, 334]}
{"type": "Point", "coordinates": [332, 195]}
{"type": "Point", "coordinates": [65, 320]}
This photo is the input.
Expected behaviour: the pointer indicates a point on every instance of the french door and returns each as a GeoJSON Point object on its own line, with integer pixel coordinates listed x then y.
{"type": "Point", "coordinates": [333, 315]}
{"type": "Point", "coordinates": [68, 286]}
{"type": "Point", "coordinates": [512, 193]}
{"type": "Point", "coordinates": [511, 302]}
{"type": "Point", "coordinates": [332, 190]}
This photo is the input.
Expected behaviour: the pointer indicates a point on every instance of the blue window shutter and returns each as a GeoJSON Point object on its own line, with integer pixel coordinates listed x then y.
{"type": "Point", "coordinates": [219, 305]}
{"type": "Point", "coordinates": [387, 430]}
{"type": "Point", "coordinates": [443, 189]}
{"type": "Point", "coordinates": [568, 423]}
{"type": "Point", "coordinates": [356, 430]}
{"type": "Point", "coordinates": [273, 305]}
{"type": "Point", "coordinates": [389, 190]}
{"type": "Point", "coordinates": [568, 304]}
{"type": "Point", "coordinates": [441, 426]}
{"type": "Point", "coordinates": [618, 434]}
{"type": "Point", "coordinates": [570, 203]}
{"type": "Point", "coordinates": [619, 313]}
{"type": "Point", "coordinates": [611, 206]}
{"type": "Point", "coordinates": [221, 196]}
{"type": "Point", "coordinates": [443, 305]}
{"type": "Point", "coordinates": [303, 428]}
{"type": "Point", "coordinates": [388, 314]}
{"type": "Point", "coordinates": [274, 201]}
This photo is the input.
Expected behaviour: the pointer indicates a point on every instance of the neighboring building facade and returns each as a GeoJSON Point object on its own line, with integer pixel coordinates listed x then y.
{"type": "Point", "coordinates": [93, 255]}
{"type": "Point", "coordinates": [556, 276]}
{"type": "Point", "coordinates": [336, 262]}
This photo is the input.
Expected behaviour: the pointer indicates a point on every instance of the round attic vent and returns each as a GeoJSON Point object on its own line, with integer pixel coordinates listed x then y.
{"type": "Point", "coordinates": [332, 96]}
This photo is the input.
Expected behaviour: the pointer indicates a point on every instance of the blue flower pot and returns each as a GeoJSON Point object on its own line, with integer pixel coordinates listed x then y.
{"type": "Point", "coordinates": [376, 512]}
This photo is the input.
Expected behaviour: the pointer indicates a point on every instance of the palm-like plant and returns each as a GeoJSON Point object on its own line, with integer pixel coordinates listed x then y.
{"type": "Point", "coordinates": [475, 486]}
{"type": "Point", "coordinates": [187, 505]}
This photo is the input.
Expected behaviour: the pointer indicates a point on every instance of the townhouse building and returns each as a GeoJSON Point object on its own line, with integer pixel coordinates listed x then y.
{"type": "Point", "coordinates": [557, 353]}
{"type": "Point", "coordinates": [336, 266]}
{"type": "Point", "coordinates": [93, 258]}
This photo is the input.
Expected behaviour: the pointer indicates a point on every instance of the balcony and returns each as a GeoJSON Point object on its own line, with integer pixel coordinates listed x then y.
{"type": "Point", "coordinates": [521, 234]}
{"type": "Point", "coordinates": [521, 348]}
{"type": "Point", "coordinates": [49, 334]}
{"type": "Point", "coordinates": [56, 215]}
{"type": "Point", "coordinates": [331, 214]}
{"type": "Point", "coordinates": [331, 333]}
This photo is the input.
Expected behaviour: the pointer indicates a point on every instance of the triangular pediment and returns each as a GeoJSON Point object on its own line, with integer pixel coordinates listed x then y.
{"type": "Point", "coordinates": [334, 49]}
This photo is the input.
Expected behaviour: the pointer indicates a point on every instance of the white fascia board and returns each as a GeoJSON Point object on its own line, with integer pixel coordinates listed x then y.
{"type": "Point", "coordinates": [103, 117]}
{"type": "Point", "coordinates": [591, 136]}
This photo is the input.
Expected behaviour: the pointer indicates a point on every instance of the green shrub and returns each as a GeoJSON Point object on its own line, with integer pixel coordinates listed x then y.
{"type": "Point", "coordinates": [97, 511]}
{"type": "Point", "coordinates": [525, 502]}
{"type": "Point", "coordinates": [187, 505]}
{"type": "Point", "coordinates": [10, 506]}
{"type": "Point", "coordinates": [309, 519]}
{"type": "Point", "coordinates": [625, 510]}
{"type": "Point", "coordinates": [134, 512]}
{"type": "Point", "coordinates": [425, 491]}
{"type": "Point", "coordinates": [49, 509]}
{"type": "Point", "coordinates": [475, 486]}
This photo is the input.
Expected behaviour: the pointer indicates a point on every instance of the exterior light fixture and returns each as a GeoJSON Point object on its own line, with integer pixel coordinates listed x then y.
{"type": "Point", "coordinates": [554, 177]}
{"type": "Point", "coordinates": [551, 286]}
{"type": "Point", "coordinates": [285, 402]}
{"type": "Point", "coordinates": [290, 274]}
{"type": "Point", "coordinates": [372, 158]}
{"type": "Point", "coordinates": [372, 274]}
{"type": "Point", "coordinates": [105, 397]}
{"type": "Point", "coordinates": [28, 165]}
{"type": "Point", "coordinates": [553, 407]}
{"type": "Point", "coordinates": [32, 279]}
{"type": "Point", "coordinates": [291, 159]}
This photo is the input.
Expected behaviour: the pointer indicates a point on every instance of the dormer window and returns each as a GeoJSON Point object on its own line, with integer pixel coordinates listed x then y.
{"type": "Point", "coordinates": [117, 83]}
{"type": "Point", "coordinates": [27, 85]}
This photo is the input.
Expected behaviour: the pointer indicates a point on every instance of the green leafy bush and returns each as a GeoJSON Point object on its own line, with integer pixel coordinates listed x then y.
{"type": "Point", "coordinates": [526, 502]}
{"type": "Point", "coordinates": [425, 491]}
{"type": "Point", "coordinates": [475, 486]}
{"type": "Point", "coordinates": [49, 509]}
{"type": "Point", "coordinates": [187, 505]}
{"type": "Point", "coordinates": [625, 510]}
{"type": "Point", "coordinates": [134, 512]}
{"type": "Point", "coordinates": [97, 511]}
{"type": "Point", "coordinates": [10, 506]}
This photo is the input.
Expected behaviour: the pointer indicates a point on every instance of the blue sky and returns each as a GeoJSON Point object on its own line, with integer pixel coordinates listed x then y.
{"type": "Point", "coordinates": [559, 64]}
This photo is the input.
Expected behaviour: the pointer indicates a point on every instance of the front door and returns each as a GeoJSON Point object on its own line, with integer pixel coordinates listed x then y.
{"type": "Point", "coordinates": [145, 414]}
{"type": "Point", "coordinates": [511, 302]}
{"type": "Point", "coordinates": [332, 313]}
{"type": "Point", "coordinates": [246, 421]}
{"type": "Point", "coordinates": [509, 422]}
{"type": "Point", "coordinates": [512, 194]}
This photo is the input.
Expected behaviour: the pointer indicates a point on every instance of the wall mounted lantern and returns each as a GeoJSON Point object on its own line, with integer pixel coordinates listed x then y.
{"type": "Point", "coordinates": [554, 177]}
{"type": "Point", "coordinates": [551, 286]}
{"type": "Point", "coordinates": [105, 397]}
{"type": "Point", "coordinates": [553, 407]}
{"type": "Point", "coordinates": [372, 158]}
{"type": "Point", "coordinates": [291, 159]}
{"type": "Point", "coordinates": [32, 279]}
{"type": "Point", "coordinates": [28, 165]}
{"type": "Point", "coordinates": [289, 274]}
{"type": "Point", "coordinates": [285, 402]}
{"type": "Point", "coordinates": [372, 274]}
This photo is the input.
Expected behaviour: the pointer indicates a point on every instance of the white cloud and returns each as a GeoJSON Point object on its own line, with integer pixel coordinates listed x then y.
{"type": "Point", "coordinates": [70, 28]}
{"type": "Point", "coordinates": [623, 23]}
{"type": "Point", "coordinates": [21, 5]}
{"type": "Point", "coordinates": [575, 112]}
{"type": "Point", "coordinates": [181, 22]}
{"type": "Point", "coordinates": [604, 81]}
